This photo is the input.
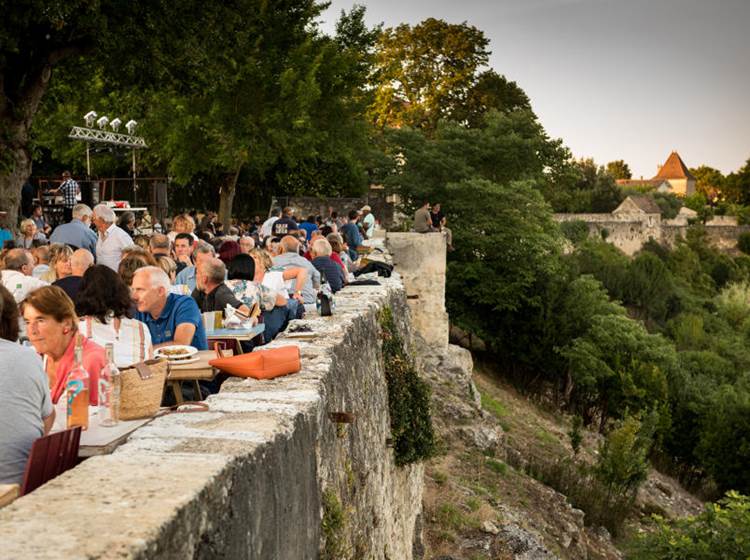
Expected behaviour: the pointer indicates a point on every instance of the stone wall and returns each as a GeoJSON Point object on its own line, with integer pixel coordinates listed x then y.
{"type": "Point", "coordinates": [420, 260]}
{"type": "Point", "coordinates": [256, 475]}
{"type": "Point", "coordinates": [628, 232]}
{"type": "Point", "coordinates": [382, 208]}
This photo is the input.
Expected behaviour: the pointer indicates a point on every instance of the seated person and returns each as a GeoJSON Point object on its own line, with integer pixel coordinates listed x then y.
{"type": "Point", "coordinates": [103, 306]}
{"type": "Point", "coordinates": [211, 294]}
{"type": "Point", "coordinates": [171, 318]}
{"type": "Point", "coordinates": [290, 258]}
{"type": "Point", "coordinates": [17, 276]}
{"type": "Point", "coordinates": [277, 319]}
{"type": "Point", "coordinates": [329, 271]}
{"type": "Point", "coordinates": [80, 262]}
{"type": "Point", "coordinates": [241, 275]}
{"type": "Point", "coordinates": [26, 411]}
{"type": "Point", "coordinates": [52, 326]}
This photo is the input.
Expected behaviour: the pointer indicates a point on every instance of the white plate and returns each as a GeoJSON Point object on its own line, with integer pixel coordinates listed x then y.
{"type": "Point", "coordinates": [187, 351]}
{"type": "Point", "coordinates": [184, 361]}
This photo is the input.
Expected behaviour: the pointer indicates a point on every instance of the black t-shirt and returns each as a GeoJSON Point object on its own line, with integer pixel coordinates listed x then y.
{"type": "Point", "coordinates": [216, 300]}
{"type": "Point", "coordinates": [437, 217]}
{"type": "Point", "coordinates": [282, 226]}
{"type": "Point", "coordinates": [70, 285]}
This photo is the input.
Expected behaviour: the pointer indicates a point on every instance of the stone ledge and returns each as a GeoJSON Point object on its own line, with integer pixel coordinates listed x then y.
{"type": "Point", "coordinates": [245, 479]}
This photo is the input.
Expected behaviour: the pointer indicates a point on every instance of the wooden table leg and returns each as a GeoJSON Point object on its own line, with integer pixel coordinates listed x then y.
{"type": "Point", "coordinates": [177, 390]}
{"type": "Point", "coordinates": [198, 395]}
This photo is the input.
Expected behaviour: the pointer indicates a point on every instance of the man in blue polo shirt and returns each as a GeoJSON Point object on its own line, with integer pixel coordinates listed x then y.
{"type": "Point", "coordinates": [171, 318]}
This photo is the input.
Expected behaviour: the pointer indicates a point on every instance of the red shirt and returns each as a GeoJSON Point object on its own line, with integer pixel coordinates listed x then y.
{"type": "Point", "coordinates": [94, 360]}
{"type": "Point", "coordinates": [337, 259]}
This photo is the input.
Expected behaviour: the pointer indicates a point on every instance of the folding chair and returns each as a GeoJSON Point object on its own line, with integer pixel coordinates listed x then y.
{"type": "Point", "coordinates": [51, 456]}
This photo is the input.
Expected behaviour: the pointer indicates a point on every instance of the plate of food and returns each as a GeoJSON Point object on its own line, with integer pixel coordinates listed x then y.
{"type": "Point", "coordinates": [177, 353]}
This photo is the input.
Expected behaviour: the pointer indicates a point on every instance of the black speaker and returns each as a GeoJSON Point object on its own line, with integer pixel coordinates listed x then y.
{"type": "Point", "coordinates": [90, 192]}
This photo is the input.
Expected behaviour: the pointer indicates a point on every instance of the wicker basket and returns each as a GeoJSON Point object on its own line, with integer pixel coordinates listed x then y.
{"type": "Point", "coordinates": [142, 386]}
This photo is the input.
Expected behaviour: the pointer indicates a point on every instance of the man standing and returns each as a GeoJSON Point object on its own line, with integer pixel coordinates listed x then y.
{"type": "Point", "coordinates": [112, 239]}
{"type": "Point", "coordinates": [171, 318]}
{"type": "Point", "coordinates": [70, 191]}
{"type": "Point", "coordinates": [265, 229]}
{"type": "Point", "coordinates": [309, 226]}
{"type": "Point", "coordinates": [290, 258]}
{"type": "Point", "coordinates": [183, 251]}
{"type": "Point", "coordinates": [80, 262]}
{"type": "Point", "coordinates": [17, 276]}
{"type": "Point", "coordinates": [77, 233]}
{"type": "Point", "coordinates": [285, 224]}
{"type": "Point", "coordinates": [422, 219]}
{"type": "Point", "coordinates": [368, 220]}
{"type": "Point", "coordinates": [351, 234]}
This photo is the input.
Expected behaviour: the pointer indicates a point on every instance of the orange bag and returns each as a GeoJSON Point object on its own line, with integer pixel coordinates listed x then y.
{"type": "Point", "coordinates": [261, 364]}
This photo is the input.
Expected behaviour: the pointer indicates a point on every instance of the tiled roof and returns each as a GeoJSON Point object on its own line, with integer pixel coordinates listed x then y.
{"type": "Point", "coordinates": [644, 203]}
{"type": "Point", "coordinates": [674, 168]}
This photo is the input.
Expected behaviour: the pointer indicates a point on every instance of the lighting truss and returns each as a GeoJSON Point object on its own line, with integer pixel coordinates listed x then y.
{"type": "Point", "coordinates": [107, 137]}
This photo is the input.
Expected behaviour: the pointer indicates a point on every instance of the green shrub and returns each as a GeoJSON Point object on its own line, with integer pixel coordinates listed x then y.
{"type": "Point", "coordinates": [623, 457]}
{"type": "Point", "coordinates": [576, 433]}
{"type": "Point", "coordinates": [721, 532]}
{"type": "Point", "coordinates": [408, 399]}
{"type": "Point", "coordinates": [733, 303]}
{"type": "Point", "coordinates": [743, 242]}
{"type": "Point", "coordinates": [576, 231]}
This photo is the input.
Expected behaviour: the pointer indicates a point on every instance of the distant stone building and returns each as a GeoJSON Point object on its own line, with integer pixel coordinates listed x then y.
{"type": "Point", "coordinates": [639, 219]}
{"type": "Point", "coordinates": [673, 177]}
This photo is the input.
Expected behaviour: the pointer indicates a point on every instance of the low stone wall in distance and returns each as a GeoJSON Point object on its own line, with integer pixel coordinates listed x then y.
{"type": "Point", "coordinates": [265, 474]}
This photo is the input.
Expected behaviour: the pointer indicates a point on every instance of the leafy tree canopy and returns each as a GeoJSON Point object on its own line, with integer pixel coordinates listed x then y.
{"type": "Point", "coordinates": [618, 169]}
{"type": "Point", "coordinates": [435, 71]}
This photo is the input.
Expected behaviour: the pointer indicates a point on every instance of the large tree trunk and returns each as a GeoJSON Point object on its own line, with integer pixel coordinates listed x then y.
{"type": "Point", "coordinates": [16, 169]}
{"type": "Point", "coordinates": [16, 116]}
{"type": "Point", "coordinates": [226, 198]}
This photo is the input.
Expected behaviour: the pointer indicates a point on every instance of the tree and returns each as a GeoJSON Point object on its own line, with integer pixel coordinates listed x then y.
{"type": "Point", "coordinates": [708, 181]}
{"type": "Point", "coordinates": [507, 147]}
{"type": "Point", "coordinates": [432, 72]}
{"type": "Point", "coordinates": [156, 42]}
{"type": "Point", "coordinates": [737, 185]}
{"type": "Point", "coordinates": [584, 187]}
{"type": "Point", "coordinates": [618, 169]}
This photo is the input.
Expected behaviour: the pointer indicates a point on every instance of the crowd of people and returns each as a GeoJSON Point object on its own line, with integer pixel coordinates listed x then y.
{"type": "Point", "coordinates": [96, 276]}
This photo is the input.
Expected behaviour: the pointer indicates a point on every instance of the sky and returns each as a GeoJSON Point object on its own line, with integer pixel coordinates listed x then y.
{"type": "Point", "coordinates": [615, 79]}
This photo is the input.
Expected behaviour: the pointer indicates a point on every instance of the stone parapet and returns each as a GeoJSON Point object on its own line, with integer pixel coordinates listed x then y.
{"type": "Point", "coordinates": [255, 476]}
{"type": "Point", "coordinates": [420, 259]}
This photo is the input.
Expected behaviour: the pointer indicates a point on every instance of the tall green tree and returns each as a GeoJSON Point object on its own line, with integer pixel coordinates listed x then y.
{"type": "Point", "coordinates": [136, 42]}
{"type": "Point", "coordinates": [618, 169]}
{"type": "Point", "coordinates": [436, 71]}
{"type": "Point", "coordinates": [288, 110]}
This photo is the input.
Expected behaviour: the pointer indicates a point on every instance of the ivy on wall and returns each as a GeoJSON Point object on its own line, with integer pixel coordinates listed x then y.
{"type": "Point", "coordinates": [408, 398]}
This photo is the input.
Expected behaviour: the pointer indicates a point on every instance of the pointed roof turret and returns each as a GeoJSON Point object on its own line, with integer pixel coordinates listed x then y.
{"type": "Point", "coordinates": [674, 168]}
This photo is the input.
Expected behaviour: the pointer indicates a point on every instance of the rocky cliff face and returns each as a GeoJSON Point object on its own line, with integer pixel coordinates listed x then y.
{"type": "Point", "coordinates": [478, 501]}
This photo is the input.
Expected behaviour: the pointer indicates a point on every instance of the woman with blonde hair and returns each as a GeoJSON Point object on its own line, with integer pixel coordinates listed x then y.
{"type": "Point", "coordinates": [28, 234]}
{"type": "Point", "coordinates": [59, 263]}
{"type": "Point", "coordinates": [182, 223]}
{"type": "Point", "coordinates": [52, 326]}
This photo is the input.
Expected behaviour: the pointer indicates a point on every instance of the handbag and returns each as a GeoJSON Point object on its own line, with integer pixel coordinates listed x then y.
{"type": "Point", "coordinates": [141, 389]}
{"type": "Point", "coordinates": [261, 364]}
